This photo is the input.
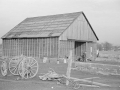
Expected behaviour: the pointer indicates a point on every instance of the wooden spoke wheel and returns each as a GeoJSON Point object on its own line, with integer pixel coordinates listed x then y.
{"type": "Point", "coordinates": [28, 68]}
{"type": "Point", "coordinates": [76, 85]}
{"type": "Point", "coordinates": [4, 68]}
{"type": "Point", "coordinates": [14, 63]}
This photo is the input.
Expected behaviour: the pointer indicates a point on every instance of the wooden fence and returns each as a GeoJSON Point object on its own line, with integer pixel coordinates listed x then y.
{"type": "Point", "coordinates": [105, 69]}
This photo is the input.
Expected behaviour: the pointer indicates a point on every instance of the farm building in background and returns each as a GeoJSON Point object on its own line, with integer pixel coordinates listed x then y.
{"type": "Point", "coordinates": [51, 36]}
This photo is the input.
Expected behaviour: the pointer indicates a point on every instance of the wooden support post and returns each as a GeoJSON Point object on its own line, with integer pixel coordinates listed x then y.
{"type": "Point", "coordinates": [86, 51]}
{"type": "Point", "coordinates": [58, 49]}
{"type": "Point", "coordinates": [69, 67]}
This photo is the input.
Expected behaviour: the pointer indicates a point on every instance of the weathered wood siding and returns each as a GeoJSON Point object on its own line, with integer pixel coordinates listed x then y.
{"type": "Point", "coordinates": [91, 50]}
{"type": "Point", "coordinates": [88, 47]}
{"type": "Point", "coordinates": [64, 48]}
{"type": "Point", "coordinates": [78, 48]}
{"type": "Point", "coordinates": [79, 30]}
{"type": "Point", "coordinates": [35, 47]}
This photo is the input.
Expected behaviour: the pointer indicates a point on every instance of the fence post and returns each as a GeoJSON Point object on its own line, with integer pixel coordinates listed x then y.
{"type": "Point", "coordinates": [69, 67]}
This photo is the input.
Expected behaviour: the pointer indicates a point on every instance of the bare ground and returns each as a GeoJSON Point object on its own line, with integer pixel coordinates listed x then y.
{"type": "Point", "coordinates": [10, 82]}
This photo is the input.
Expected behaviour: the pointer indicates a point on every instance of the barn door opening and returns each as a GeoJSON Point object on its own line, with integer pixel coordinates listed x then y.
{"type": "Point", "coordinates": [80, 48]}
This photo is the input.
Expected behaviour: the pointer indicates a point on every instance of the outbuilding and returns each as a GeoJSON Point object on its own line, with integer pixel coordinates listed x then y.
{"type": "Point", "coordinates": [51, 36]}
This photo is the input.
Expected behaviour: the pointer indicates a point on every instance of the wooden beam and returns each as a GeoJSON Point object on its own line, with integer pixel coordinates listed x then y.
{"type": "Point", "coordinates": [69, 67]}
{"type": "Point", "coordinates": [59, 46]}
{"type": "Point", "coordinates": [86, 51]}
{"type": "Point", "coordinates": [88, 81]}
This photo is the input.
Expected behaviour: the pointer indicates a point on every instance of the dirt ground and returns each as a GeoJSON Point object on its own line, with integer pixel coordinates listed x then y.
{"type": "Point", "coordinates": [10, 82]}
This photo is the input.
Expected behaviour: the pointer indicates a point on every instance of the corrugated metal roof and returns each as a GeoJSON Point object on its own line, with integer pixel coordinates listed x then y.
{"type": "Point", "coordinates": [44, 26]}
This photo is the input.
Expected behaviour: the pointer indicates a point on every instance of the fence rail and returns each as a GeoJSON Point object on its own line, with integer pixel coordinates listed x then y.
{"type": "Point", "coordinates": [105, 69]}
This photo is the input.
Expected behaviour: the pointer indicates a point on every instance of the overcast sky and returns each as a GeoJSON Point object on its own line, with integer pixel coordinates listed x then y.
{"type": "Point", "coordinates": [104, 15]}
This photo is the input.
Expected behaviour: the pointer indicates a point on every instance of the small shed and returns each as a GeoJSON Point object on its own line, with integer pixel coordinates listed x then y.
{"type": "Point", "coordinates": [51, 36]}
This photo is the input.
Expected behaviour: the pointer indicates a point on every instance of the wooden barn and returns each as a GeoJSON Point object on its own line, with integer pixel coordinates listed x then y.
{"type": "Point", "coordinates": [51, 36]}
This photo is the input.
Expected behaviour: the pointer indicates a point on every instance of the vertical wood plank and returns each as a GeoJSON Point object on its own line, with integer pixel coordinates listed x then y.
{"type": "Point", "coordinates": [12, 47]}
{"type": "Point", "coordinates": [8, 47]}
{"type": "Point", "coordinates": [36, 50]}
{"type": "Point", "coordinates": [58, 48]}
{"type": "Point", "coordinates": [47, 46]}
{"type": "Point", "coordinates": [86, 51]}
{"type": "Point", "coordinates": [55, 46]}
{"type": "Point", "coordinates": [42, 48]}
{"type": "Point", "coordinates": [34, 41]}
{"type": "Point", "coordinates": [69, 67]}
{"type": "Point", "coordinates": [39, 47]}
{"type": "Point", "coordinates": [15, 47]}
{"type": "Point", "coordinates": [32, 47]}
{"type": "Point", "coordinates": [23, 46]}
{"type": "Point", "coordinates": [53, 40]}
{"type": "Point", "coordinates": [4, 45]}
{"type": "Point", "coordinates": [36, 47]}
{"type": "Point", "coordinates": [28, 45]}
{"type": "Point", "coordinates": [50, 46]}
{"type": "Point", "coordinates": [18, 47]}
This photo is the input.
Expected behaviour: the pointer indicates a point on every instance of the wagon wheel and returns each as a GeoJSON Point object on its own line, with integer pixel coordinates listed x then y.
{"type": "Point", "coordinates": [4, 68]}
{"type": "Point", "coordinates": [76, 85]}
{"type": "Point", "coordinates": [14, 63]}
{"type": "Point", "coordinates": [28, 68]}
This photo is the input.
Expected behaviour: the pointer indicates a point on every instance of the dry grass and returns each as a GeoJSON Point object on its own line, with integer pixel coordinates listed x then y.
{"type": "Point", "coordinates": [10, 82]}
{"type": "Point", "coordinates": [115, 55]}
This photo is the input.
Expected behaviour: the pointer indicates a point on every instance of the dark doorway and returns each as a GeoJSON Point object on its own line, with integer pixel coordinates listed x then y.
{"type": "Point", "coordinates": [80, 47]}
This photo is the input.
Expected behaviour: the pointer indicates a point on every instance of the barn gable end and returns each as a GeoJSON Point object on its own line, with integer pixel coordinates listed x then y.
{"type": "Point", "coordinates": [80, 29]}
{"type": "Point", "coordinates": [51, 36]}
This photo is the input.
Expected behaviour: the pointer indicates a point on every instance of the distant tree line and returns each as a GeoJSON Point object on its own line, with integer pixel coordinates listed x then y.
{"type": "Point", "coordinates": [106, 46]}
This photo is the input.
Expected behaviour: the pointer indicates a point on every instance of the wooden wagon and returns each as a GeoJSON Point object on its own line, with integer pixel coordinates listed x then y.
{"type": "Point", "coordinates": [26, 67]}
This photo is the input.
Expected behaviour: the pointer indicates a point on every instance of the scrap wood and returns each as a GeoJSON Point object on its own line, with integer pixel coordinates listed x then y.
{"type": "Point", "coordinates": [86, 85]}
{"type": "Point", "coordinates": [84, 80]}
{"type": "Point", "coordinates": [77, 86]}
{"type": "Point", "coordinates": [92, 78]}
{"type": "Point", "coordinates": [51, 75]}
{"type": "Point", "coordinates": [74, 84]}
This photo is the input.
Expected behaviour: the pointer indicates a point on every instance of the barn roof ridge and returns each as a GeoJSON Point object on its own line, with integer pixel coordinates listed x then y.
{"type": "Point", "coordinates": [90, 26]}
{"type": "Point", "coordinates": [55, 14]}
{"type": "Point", "coordinates": [45, 26]}
{"type": "Point", "coordinates": [54, 23]}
